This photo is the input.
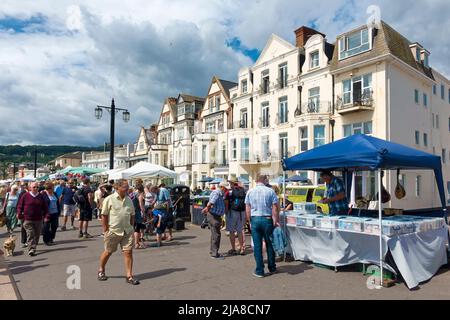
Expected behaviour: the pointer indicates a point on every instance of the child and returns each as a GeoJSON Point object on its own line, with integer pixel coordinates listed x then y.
{"type": "Point", "coordinates": [160, 222]}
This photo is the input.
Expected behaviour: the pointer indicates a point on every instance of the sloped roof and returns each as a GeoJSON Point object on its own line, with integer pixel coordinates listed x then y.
{"type": "Point", "coordinates": [386, 41]}
{"type": "Point", "coordinates": [190, 98]}
{"type": "Point", "coordinates": [73, 155]}
{"type": "Point", "coordinates": [227, 85]}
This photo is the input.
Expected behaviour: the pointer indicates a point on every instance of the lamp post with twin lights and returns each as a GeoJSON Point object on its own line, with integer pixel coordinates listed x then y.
{"type": "Point", "coordinates": [112, 110]}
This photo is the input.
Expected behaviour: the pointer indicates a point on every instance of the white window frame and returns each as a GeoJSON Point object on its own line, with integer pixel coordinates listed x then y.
{"type": "Point", "coordinates": [282, 74]}
{"type": "Point", "coordinates": [416, 96]}
{"type": "Point", "coordinates": [245, 149]}
{"type": "Point", "coordinates": [358, 127]}
{"type": "Point", "coordinates": [364, 86]}
{"type": "Point", "coordinates": [204, 153]}
{"type": "Point", "coordinates": [283, 110]}
{"type": "Point", "coordinates": [265, 115]}
{"type": "Point", "coordinates": [314, 60]}
{"type": "Point", "coordinates": [344, 44]}
{"type": "Point", "coordinates": [321, 138]}
{"type": "Point", "coordinates": [283, 145]}
{"type": "Point", "coordinates": [314, 98]}
{"type": "Point", "coordinates": [425, 100]}
{"type": "Point", "coordinates": [417, 137]}
{"type": "Point", "coordinates": [265, 147]}
{"type": "Point", "coordinates": [233, 149]}
{"type": "Point", "coordinates": [303, 138]}
{"type": "Point", "coordinates": [244, 88]}
{"type": "Point", "coordinates": [425, 139]}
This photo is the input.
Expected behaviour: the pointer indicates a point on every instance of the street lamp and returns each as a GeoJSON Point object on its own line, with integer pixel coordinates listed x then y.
{"type": "Point", "coordinates": [112, 110]}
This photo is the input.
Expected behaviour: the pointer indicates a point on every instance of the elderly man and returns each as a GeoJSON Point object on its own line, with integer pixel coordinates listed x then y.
{"type": "Point", "coordinates": [118, 227]}
{"type": "Point", "coordinates": [31, 210]}
{"type": "Point", "coordinates": [214, 210]}
{"type": "Point", "coordinates": [262, 211]}
{"type": "Point", "coordinates": [335, 194]}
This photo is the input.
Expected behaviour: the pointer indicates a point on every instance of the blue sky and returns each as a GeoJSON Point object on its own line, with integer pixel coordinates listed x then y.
{"type": "Point", "coordinates": [59, 59]}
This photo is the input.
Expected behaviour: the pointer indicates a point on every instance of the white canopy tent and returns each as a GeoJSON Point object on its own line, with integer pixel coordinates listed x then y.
{"type": "Point", "coordinates": [109, 172]}
{"type": "Point", "coordinates": [143, 170]}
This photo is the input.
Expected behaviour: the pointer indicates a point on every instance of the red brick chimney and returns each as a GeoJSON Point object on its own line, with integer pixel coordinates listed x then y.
{"type": "Point", "coordinates": [302, 35]}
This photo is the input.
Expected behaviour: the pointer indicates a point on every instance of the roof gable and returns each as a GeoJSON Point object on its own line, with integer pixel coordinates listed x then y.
{"type": "Point", "coordinates": [275, 47]}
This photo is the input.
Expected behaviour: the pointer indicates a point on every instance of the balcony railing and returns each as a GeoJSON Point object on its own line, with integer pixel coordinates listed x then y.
{"type": "Point", "coordinates": [359, 101]}
{"type": "Point", "coordinates": [241, 124]}
{"type": "Point", "coordinates": [264, 123]}
{"type": "Point", "coordinates": [314, 107]}
{"type": "Point", "coordinates": [282, 120]}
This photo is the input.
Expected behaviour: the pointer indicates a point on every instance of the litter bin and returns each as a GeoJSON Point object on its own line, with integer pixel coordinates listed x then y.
{"type": "Point", "coordinates": [180, 196]}
{"type": "Point", "coordinates": [198, 205]}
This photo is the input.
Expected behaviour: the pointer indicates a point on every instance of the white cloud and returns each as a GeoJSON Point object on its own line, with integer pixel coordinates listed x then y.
{"type": "Point", "coordinates": [141, 51]}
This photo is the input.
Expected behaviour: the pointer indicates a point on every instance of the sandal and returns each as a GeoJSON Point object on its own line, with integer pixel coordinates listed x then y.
{"type": "Point", "coordinates": [232, 252]}
{"type": "Point", "coordinates": [132, 281]}
{"type": "Point", "coordinates": [102, 276]}
{"type": "Point", "coordinates": [242, 252]}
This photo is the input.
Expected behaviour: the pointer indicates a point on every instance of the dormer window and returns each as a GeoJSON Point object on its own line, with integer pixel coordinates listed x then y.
{"type": "Point", "coordinates": [418, 54]}
{"type": "Point", "coordinates": [244, 86]}
{"type": "Point", "coordinates": [314, 60]}
{"type": "Point", "coordinates": [354, 43]}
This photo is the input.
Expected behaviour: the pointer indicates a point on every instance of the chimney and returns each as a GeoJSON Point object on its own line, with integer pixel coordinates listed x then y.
{"type": "Point", "coordinates": [302, 35]}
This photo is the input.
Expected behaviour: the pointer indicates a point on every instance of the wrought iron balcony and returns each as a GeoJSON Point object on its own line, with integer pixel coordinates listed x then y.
{"type": "Point", "coordinates": [359, 102]}
{"type": "Point", "coordinates": [241, 124]}
{"type": "Point", "coordinates": [315, 107]}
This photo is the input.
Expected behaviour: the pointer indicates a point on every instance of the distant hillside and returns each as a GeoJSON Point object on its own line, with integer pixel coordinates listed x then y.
{"type": "Point", "coordinates": [16, 153]}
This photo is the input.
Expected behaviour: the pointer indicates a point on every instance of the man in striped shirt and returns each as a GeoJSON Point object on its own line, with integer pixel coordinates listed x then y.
{"type": "Point", "coordinates": [263, 213]}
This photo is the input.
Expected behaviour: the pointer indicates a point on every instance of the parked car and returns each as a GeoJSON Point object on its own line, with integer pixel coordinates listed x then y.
{"type": "Point", "coordinates": [307, 194]}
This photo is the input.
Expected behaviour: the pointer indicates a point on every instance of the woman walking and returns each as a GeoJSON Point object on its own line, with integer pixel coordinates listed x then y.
{"type": "Point", "coordinates": [50, 222]}
{"type": "Point", "coordinates": [10, 208]}
{"type": "Point", "coordinates": [139, 218]}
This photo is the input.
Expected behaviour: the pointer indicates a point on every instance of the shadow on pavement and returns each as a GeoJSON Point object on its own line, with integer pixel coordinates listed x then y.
{"type": "Point", "coordinates": [59, 242]}
{"type": "Point", "coordinates": [158, 273]}
{"type": "Point", "coordinates": [173, 243]}
{"type": "Point", "coordinates": [294, 269]}
{"type": "Point", "coordinates": [59, 249]}
{"type": "Point", "coordinates": [17, 267]}
{"type": "Point", "coordinates": [184, 238]}
{"type": "Point", "coordinates": [27, 269]}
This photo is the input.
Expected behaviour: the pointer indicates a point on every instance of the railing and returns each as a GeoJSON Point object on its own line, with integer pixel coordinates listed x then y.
{"type": "Point", "coordinates": [313, 107]}
{"type": "Point", "coordinates": [282, 120]}
{"type": "Point", "coordinates": [241, 124]}
{"type": "Point", "coordinates": [358, 99]}
{"type": "Point", "coordinates": [264, 124]}
{"type": "Point", "coordinates": [264, 89]}
{"type": "Point", "coordinates": [281, 83]}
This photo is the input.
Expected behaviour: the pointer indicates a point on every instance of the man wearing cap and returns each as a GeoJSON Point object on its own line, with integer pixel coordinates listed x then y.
{"type": "Point", "coordinates": [214, 210]}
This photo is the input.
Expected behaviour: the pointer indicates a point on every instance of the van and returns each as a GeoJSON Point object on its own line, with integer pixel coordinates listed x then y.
{"type": "Point", "coordinates": [307, 194]}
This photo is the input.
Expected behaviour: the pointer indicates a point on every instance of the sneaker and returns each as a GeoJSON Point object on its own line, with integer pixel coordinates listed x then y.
{"type": "Point", "coordinates": [24, 245]}
{"type": "Point", "coordinates": [31, 253]}
{"type": "Point", "coordinates": [63, 228]}
{"type": "Point", "coordinates": [86, 236]}
{"type": "Point", "coordinates": [273, 272]}
{"type": "Point", "coordinates": [74, 228]}
{"type": "Point", "coordinates": [80, 235]}
{"type": "Point", "coordinates": [258, 275]}
{"type": "Point", "coordinates": [218, 257]}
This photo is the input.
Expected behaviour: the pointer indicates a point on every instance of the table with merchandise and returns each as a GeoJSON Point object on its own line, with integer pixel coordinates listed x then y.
{"type": "Point", "coordinates": [418, 245]}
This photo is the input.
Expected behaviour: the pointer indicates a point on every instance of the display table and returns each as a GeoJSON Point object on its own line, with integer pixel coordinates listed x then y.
{"type": "Point", "coordinates": [418, 256]}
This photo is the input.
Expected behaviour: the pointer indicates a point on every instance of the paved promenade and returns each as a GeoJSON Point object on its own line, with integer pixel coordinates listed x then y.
{"type": "Point", "coordinates": [183, 269]}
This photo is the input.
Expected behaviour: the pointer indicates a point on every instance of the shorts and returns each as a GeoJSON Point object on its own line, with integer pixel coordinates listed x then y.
{"type": "Point", "coordinates": [85, 215]}
{"type": "Point", "coordinates": [235, 221]}
{"type": "Point", "coordinates": [69, 210]}
{"type": "Point", "coordinates": [138, 227]}
{"type": "Point", "coordinates": [113, 240]}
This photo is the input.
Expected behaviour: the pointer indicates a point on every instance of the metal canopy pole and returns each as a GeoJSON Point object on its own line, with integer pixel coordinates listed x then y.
{"type": "Point", "coordinates": [381, 229]}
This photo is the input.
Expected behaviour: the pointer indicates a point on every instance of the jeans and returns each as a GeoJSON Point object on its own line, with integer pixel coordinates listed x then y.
{"type": "Point", "coordinates": [262, 228]}
{"type": "Point", "coordinates": [215, 223]}
{"type": "Point", "coordinates": [50, 228]}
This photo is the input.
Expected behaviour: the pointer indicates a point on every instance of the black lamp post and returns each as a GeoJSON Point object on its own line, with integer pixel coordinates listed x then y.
{"type": "Point", "coordinates": [112, 110]}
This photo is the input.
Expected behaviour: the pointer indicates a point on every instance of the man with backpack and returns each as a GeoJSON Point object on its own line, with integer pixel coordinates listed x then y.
{"type": "Point", "coordinates": [84, 197]}
{"type": "Point", "coordinates": [235, 218]}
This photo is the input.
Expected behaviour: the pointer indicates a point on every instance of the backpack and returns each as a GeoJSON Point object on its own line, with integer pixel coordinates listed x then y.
{"type": "Point", "coordinates": [238, 199]}
{"type": "Point", "coordinates": [79, 198]}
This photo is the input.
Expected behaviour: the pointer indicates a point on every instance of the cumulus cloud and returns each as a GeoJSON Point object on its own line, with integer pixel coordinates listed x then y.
{"type": "Point", "coordinates": [82, 53]}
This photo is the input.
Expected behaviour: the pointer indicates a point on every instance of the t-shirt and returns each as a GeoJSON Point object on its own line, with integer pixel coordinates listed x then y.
{"type": "Point", "coordinates": [53, 205]}
{"type": "Point", "coordinates": [67, 194]}
{"type": "Point", "coordinates": [85, 190]}
{"type": "Point", "coordinates": [58, 190]}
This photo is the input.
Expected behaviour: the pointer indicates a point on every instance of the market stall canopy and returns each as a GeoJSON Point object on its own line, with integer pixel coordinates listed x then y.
{"type": "Point", "coordinates": [206, 179]}
{"type": "Point", "coordinates": [46, 177]}
{"type": "Point", "coordinates": [142, 170]}
{"type": "Point", "coordinates": [28, 179]}
{"type": "Point", "coordinates": [109, 172]}
{"type": "Point", "coordinates": [361, 152]}
{"type": "Point", "coordinates": [84, 171]}
{"type": "Point", "coordinates": [217, 181]}
{"type": "Point", "coordinates": [65, 170]}
{"type": "Point", "coordinates": [297, 178]}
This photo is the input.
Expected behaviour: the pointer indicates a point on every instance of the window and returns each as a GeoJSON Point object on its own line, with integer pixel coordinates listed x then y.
{"type": "Point", "coordinates": [265, 115]}
{"type": "Point", "coordinates": [195, 155]}
{"type": "Point", "coordinates": [303, 137]}
{"type": "Point", "coordinates": [354, 44]}
{"type": "Point", "coordinates": [356, 128]}
{"type": "Point", "coordinates": [157, 159]}
{"type": "Point", "coordinates": [217, 103]}
{"type": "Point", "coordinates": [243, 121]}
{"type": "Point", "coordinates": [244, 86]}
{"type": "Point", "coordinates": [141, 146]}
{"type": "Point", "coordinates": [319, 135]}
{"type": "Point", "coordinates": [180, 133]}
{"type": "Point", "coordinates": [265, 81]}
{"type": "Point", "coordinates": [418, 54]}
{"type": "Point", "coordinates": [434, 89]}
{"type": "Point", "coordinates": [437, 121]}
{"type": "Point", "coordinates": [210, 127]}
{"type": "Point", "coordinates": [314, 60]}
{"type": "Point", "coordinates": [444, 153]}
{"type": "Point", "coordinates": [425, 140]}
{"type": "Point", "coordinates": [313, 100]}
{"type": "Point", "coordinates": [416, 96]}
{"type": "Point", "coordinates": [426, 60]}
{"type": "Point", "coordinates": [417, 136]}
{"type": "Point", "coordinates": [442, 91]}
{"type": "Point", "coordinates": [211, 104]}
{"type": "Point", "coordinates": [220, 125]}
{"type": "Point", "coordinates": [283, 110]}
{"type": "Point", "coordinates": [283, 145]}
{"type": "Point", "coordinates": [418, 185]}
{"type": "Point", "coordinates": [223, 152]}
{"type": "Point", "coordinates": [203, 153]}
{"type": "Point", "coordinates": [233, 149]}
{"type": "Point", "coordinates": [245, 152]}
{"type": "Point", "coordinates": [425, 100]}
{"type": "Point", "coordinates": [432, 120]}
{"type": "Point", "coordinates": [265, 148]}
{"type": "Point", "coordinates": [282, 75]}
{"type": "Point", "coordinates": [358, 90]}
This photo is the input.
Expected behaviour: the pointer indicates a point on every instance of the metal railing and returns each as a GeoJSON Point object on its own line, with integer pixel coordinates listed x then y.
{"type": "Point", "coordinates": [358, 99]}
{"type": "Point", "coordinates": [313, 107]}
{"type": "Point", "coordinates": [241, 124]}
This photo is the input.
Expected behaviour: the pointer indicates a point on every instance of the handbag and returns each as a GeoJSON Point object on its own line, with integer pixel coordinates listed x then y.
{"type": "Point", "coordinates": [399, 190]}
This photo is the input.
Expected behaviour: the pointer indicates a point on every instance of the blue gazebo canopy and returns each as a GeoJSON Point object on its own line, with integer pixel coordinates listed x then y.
{"type": "Point", "coordinates": [361, 152]}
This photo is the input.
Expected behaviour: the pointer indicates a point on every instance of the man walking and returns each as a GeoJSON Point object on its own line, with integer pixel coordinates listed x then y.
{"type": "Point", "coordinates": [235, 218]}
{"type": "Point", "coordinates": [214, 210]}
{"type": "Point", "coordinates": [335, 194]}
{"type": "Point", "coordinates": [86, 206]}
{"type": "Point", "coordinates": [66, 199]}
{"type": "Point", "coordinates": [118, 221]}
{"type": "Point", "coordinates": [31, 210]}
{"type": "Point", "coordinates": [263, 213]}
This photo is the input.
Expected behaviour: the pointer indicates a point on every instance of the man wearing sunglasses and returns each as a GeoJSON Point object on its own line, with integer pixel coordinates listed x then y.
{"type": "Point", "coordinates": [31, 210]}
